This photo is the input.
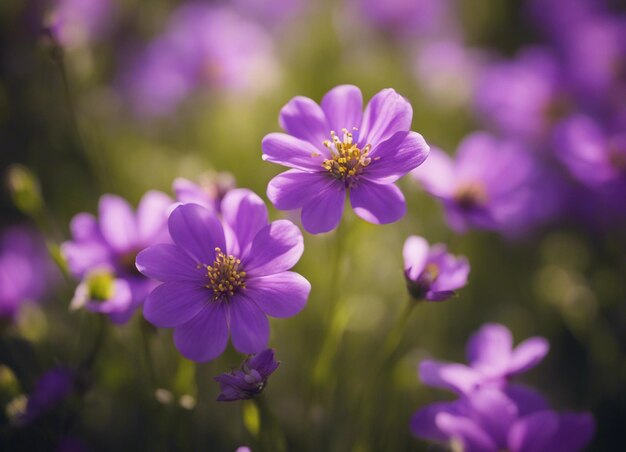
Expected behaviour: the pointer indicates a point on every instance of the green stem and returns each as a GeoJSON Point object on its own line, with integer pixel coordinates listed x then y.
{"type": "Point", "coordinates": [271, 437]}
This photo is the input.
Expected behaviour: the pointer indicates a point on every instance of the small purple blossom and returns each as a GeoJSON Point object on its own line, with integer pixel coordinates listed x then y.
{"type": "Point", "coordinates": [490, 420]}
{"type": "Point", "coordinates": [75, 23]}
{"type": "Point", "coordinates": [431, 272]}
{"type": "Point", "coordinates": [224, 277]}
{"type": "Point", "coordinates": [337, 149]}
{"type": "Point", "coordinates": [102, 253]}
{"type": "Point", "coordinates": [492, 184]}
{"type": "Point", "coordinates": [26, 271]}
{"type": "Point", "coordinates": [50, 390]}
{"type": "Point", "coordinates": [492, 361]}
{"type": "Point", "coordinates": [208, 192]}
{"type": "Point", "coordinates": [248, 381]}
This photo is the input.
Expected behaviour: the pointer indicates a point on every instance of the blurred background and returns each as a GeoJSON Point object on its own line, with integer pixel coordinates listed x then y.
{"type": "Point", "coordinates": [123, 96]}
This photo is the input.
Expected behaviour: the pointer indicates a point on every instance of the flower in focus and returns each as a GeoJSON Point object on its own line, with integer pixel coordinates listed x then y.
{"type": "Point", "coordinates": [337, 149]}
{"type": "Point", "coordinates": [102, 253]}
{"type": "Point", "coordinates": [491, 420]}
{"type": "Point", "coordinates": [202, 47]}
{"type": "Point", "coordinates": [221, 277]}
{"type": "Point", "coordinates": [50, 390]}
{"type": "Point", "coordinates": [493, 184]}
{"type": "Point", "coordinates": [76, 23]}
{"type": "Point", "coordinates": [26, 272]}
{"type": "Point", "coordinates": [248, 381]}
{"type": "Point", "coordinates": [431, 272]}
{"type": "Point", "coordinates": [208, 192]}
{"type": "Point", "coordinates": [492, 361]}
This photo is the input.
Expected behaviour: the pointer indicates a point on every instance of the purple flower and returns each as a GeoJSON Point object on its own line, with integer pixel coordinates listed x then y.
{"type": "Point", "coordinates": [102, 253]}
{"type": "Point", "coordinates": [492, 361]}
{"type": "Point", "coordinates": [221, 277]}
{"type": "Point", "coordinates": [431, 272]}
{"type": "Point", "coordinates": [592, 156]}
{"type": "Point", "coordinates": [202, 47]}
{"type": "Point", "coordinates": [492, 420]}
{"type": "Point", "coordinates": [248, 381]}
{"type": "Point", "coordinates": [373, 150]}
{"type": "Point", "coordinates": [26, 272]}
{"type": "Point", "coordinates": [75, 23]}
{"type": "Point", "coordinates": [493, 184]}
{"type": "Point", "coordinates": [208, 193]}
{"type": "Point", "coordinates": [50, 390]}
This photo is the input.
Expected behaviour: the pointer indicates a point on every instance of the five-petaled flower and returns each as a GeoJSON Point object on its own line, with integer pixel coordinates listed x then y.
{"type": "Point", "coordinates": [221, 276]}
{"type": "Point", "coordinates": [249, 380]}
{"type": "Point", "coordinates": [335, 148]}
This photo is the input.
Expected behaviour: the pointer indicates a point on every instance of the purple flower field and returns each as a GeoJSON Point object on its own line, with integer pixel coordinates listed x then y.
{"type": "Point", "coordinates": [289, 225]}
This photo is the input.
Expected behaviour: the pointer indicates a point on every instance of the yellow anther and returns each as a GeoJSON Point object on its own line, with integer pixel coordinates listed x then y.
{"type": "Point", "coordinates": [225, 277]}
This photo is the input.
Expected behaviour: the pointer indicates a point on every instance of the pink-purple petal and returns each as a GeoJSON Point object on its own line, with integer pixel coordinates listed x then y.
{"type": "Point", "coordinates": [276, 248]}
{"type": "Point", "coordinates": [174, 303]}
{"type": "Point", "coordinates": [152, 214]}
{"type": "Point", "coordinates": [489, 349]}
{"type": "Point", "coordinates": [323, 212]}
{"type": "Point", "coordinates": [343, 107]}
{"type": "Point", "coordinates": [167, 262]}
{"type": "Point", "coordinates": [395, 157]}
{"type": "Point", "coordinates": [437, 174]}
{"type": "Point", "coordinates": [245, 213]}
{"type": "Point", "coordinates": [534, 432]}
{"type": "Point", "coordinates": [249, 326]}
{"type": "Point", "coordinates": [117, 223]}
{"type": "Point", "coordinates": [84, 227]}
{"type": "Point", "coordinates": [294, 188]}
{"type": "Point", "coordinates": [281, 295]}
{"type": "Point", "coordinates": [466, 431]}
{"type": "Point", "coordinates": [376, 203]}
{"type": "Point", "coordinates": [304, 119]}
{"type": "Point", "coordinates": [205, 336]}
{"type": "Point", "coordinates": [197, 231]}
{"type": "Point", "coordinates": [386, 113]}
{"type": "Point", "coordinates": [454, 377]}
{"type": "Point", "coordinates": [575, 432]}
{"type": "Point", "coordinates": [293, 152]}
{"type": "Point", "coordinates": [423, 423]}
{"type": "Point", "coordinates": [415, 254]}
{"type": "Point", "coordinates": [527, 355]}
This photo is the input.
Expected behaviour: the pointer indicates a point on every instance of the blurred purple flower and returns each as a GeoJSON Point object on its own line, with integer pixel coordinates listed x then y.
{"type": "Point", "coordinates": [203, 46]}
{"type": "Point", "coordinates": [75, 23]}
{"type": "Point", "coordinates": [492, 361]}
{"type": "Point", "coordinates": [522, 97]}
{"type": "Point", "coordinates": [50, 390]}
{"type": "Point", "coordinates": [248, 381]}
{"type": "Point", "coordinates": [431, 272]}
{"type": "Point", "coordinates": [272, 13]}
{"type": "Point", "coordinates": [208, 193]}
{"type": "Point", "coordinates": [493, 184]}
{"type": "Point", "coordinates": [376, 149]}
{"type": "Point", "coordinates": [224, 276]}
{"type": "Point", "coordinates": [26, 271]}
{"type": "Point", "coordinates": [102, 253]}
{"type": "Point", "coordinates": [490, 420]}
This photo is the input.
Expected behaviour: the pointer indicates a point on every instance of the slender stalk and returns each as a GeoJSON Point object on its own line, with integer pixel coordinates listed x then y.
{"type": "Point", "coordinates": [271, 437]}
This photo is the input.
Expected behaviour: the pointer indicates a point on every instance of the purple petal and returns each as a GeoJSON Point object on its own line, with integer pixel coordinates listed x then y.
{"type": "Point", "coordinates": [495, 412]}
{"type": "Point", "coordinates": [527, 355]}
{"type": "Point", "coordinates": [304, 119]}
{"type": "Point", "coordinates": [249, 326]}
{"type": "Point", "coordinates": [205, 336]}
{"type": "Point", "coordinates": [472, 437]}
{"type": "Point", "coordinates": [575, 431]}
{"type": "Point", "coordinates": [197, 231]}
{"type": "Point", "coordinates": [454, 377]}
{"type": "Point", "coordinates": [323, 212]}
{"type": "Point", "coordinates": [533, 433]}
{"type": "Point", "coordinates": [245, 213]}
{"type": "Point", "coordinates": [82, 257]}
{"type": "Point", "coordinates": [264, 362]}
{"type": "Point", "coordinates": [293, 152]}
{"type": "Point", "coordinates": [528, 400]}
{"type": "Point", "coordinates": [276, 248]}
{"type": "Point", "coordinates": [281, 295]}
{"type": "Point", "coordinates": [386, 113]}
{"type": "Point", "coordinates": [117, 223]}
{"type": "Point", "coordinates": [489, 349]}
{"type": "Point", "coordinates": [294, 189]}
{"type": "Point", "coordinates": [423, 423]}
{"type": "Point", "coordinates": [415, 254]}
{"type": "Point", "coordinates": [395, 157]}
{"type": "Point", "coordinates": [379, 204]}
{"type": "Point", "coordinates": [152, 214]}
{"type": "Point", "coordinates": [167, 262]}
{"type": "Point", "coordinates": [436, 174]}
{"type": "Point", "coordinates": [121, 301]}
{"type": "Point", "coordinates": [174, 303]}
{"type": "Point", "coordinates": [453, 275]}
{"type": "Point", "coordinates": [343, 107]}
{"type": "Point", "coordinates": [84, 228]}
{"type": "Point", "coordinates": [188, 192]}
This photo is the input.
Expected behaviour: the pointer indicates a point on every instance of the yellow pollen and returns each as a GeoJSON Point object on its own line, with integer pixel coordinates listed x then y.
{"type": "Point", "coordinates": [347, 160]}
{"type": "Point", "coordinates": [225, 276]}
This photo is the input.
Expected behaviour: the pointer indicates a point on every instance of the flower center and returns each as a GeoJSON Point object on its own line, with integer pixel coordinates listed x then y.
{"type": "Point", "coordinates": [225, 276]}
{"type": "Point", "coordinates": [420, 287]}
{"type": "Point", "coordinates": [470, 195]}
{"type": "Point", "coordinates": [347, 160]}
